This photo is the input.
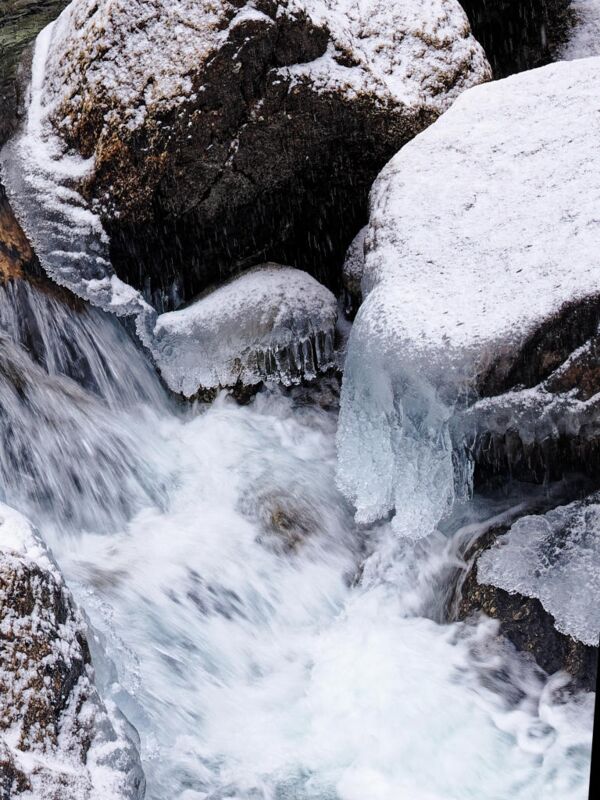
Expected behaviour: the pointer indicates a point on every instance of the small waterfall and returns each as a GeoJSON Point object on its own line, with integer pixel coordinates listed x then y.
{"type": "Point", "coordinates": [64, 374]}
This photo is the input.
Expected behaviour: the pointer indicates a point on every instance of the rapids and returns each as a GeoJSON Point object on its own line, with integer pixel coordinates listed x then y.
{"type": "Point", "coordinates": [264, 646]}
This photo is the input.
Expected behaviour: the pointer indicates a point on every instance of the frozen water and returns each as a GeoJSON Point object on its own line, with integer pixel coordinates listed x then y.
{"type": "Point", "coordinates": [481, 229]}
{"type": "Point", "coordinates": [556, 558]}
{"type": "Point", "coordinates": [584, 38]}
{"type": "Point", "coordinates": [271, 322]}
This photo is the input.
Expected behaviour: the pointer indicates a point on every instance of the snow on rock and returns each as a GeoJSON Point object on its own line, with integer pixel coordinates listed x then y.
{"type": "Point", "coordinates": [199, 136]}
{"type": "Point", "coordinates": [483, 231]}
{"type": "Point", "coordinates": [57, 739]}
{"type": "Point", "coordinates": [584, 37]}
{"type": "Point", "coordinates": [272, 322]}
{"type": "Point", "coordinates": [554, 557]}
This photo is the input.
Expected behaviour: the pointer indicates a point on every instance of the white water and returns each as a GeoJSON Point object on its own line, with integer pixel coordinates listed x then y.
{"type": "Point", "coordinates": [231, 630]}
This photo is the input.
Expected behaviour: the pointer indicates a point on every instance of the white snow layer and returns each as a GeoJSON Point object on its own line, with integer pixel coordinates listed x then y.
{"type": "Point", "coordinates": [88, 754]}
{"type": "Point", "coordinates": [481, 228]}
{"type": "Point", "coordinates": [272, 321]}
{"type": "Point", "coordinates": [584, 38]}
{"type": "Point", "coordinates": [554, 557]}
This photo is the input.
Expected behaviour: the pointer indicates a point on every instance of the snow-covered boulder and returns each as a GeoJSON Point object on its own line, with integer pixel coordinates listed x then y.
{"type": "Point", "coordinates": [57, 739]}
{"type": "Point", "coordinates": [481, 275]}
{"type": "Point", "coordinates": [272, 322]}
{"type": "Point", "coordinates": [222, 134]}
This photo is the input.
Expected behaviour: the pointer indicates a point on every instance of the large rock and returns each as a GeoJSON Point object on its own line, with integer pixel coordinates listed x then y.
{"type": "Point", "coordinates": [271, 323]}
{"type": "Point", "coordinates": [226, 134]}
{"type": "Point", "coordinates": [57, 740]}
{"type": "Point", "coordinates": [481, 276]}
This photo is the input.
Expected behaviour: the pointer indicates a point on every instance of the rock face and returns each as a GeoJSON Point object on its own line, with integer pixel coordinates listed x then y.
{"type": "Point", "coordinates": [540, 579]}
{"type": "Point", "coordinates": [519, 34]}
{"type": "Point", "coordinates": [57, 740]}
{"type": "Point", "coordinates": [272, 323]}
{"type": "Point", "coordinates": [20, 22]}
{"type": "Point", "coordinates": [226, 134]}
{"type": "Point", "coordinates": [482, 286]}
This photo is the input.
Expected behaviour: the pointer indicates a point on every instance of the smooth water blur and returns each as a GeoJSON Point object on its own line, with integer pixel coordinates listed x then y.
{"type": "Point", "coordinates": [264, 646]}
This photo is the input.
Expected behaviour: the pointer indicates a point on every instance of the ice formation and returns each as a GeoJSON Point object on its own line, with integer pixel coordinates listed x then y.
{"type": "Point", "coordinates": [584, 38]}
{"type": "Point", "coordinates": [271, 322]}
{"type": "Point", "coordinates": [57, 738]}
{"type": "Point", "coordinates": [482, 229]}
{"type": "Point", "coordinates": [556, 558]}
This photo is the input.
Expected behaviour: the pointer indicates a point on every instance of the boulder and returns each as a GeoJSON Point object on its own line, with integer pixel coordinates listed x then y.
{"type": "Point", "coordinates": [481, 277]}
{"type": "Point", "coordinates": [271, 323]}
{"type": "Point", "coordinates": [220, 135]}
{"type": "Point", "coordinates": [57, 739]}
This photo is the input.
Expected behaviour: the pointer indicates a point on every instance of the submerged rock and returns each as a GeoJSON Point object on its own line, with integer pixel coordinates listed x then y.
{"type": "Point", "coordinates": [481, 286]}
{"type": "Point", "coordinates": [271, 323]}
{"type": "Point", "coordinates": [224, 134]}
{"type": "Point", "coordinates": [541, 580]}
{"type": "Point", "coordinates": [57, 739]}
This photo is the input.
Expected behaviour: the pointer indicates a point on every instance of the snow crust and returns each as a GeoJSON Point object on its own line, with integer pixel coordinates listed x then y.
{"type": "Point", "coordinates": [554, 557]}
{"type": "Point", "coordinates": [584, 38]}
{"type": "Point", "coordinates": [481, 228]}
{"type": "Point", "coordinates": [271, 322]}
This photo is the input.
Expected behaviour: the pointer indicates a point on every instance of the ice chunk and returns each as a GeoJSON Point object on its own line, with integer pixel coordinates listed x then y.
{"type": "Point", "coordinates": [556, 558]}
{"type": "Point", "coordinates": [482, 228]}
{"type": "Point", "coordinates": [271, 322]}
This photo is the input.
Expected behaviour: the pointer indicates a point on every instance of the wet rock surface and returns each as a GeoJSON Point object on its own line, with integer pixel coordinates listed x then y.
{"type": "Point", "coordinates": [264, 140]}
{"type": "Point", "coordinates": [524, 620]}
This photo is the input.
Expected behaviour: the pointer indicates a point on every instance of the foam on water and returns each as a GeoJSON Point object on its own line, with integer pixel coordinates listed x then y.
{"type": "Point", "coordinates": [254, 667]}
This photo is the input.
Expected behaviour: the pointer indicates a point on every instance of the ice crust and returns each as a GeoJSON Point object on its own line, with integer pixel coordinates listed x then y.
{"type": "Point", "coordinates": [89, 755]}
{"type": "Point", "coordinates": [481, 229]}
{"type": "Point", "coordinates": [271, 322]}
{"type": "Point", "coordinates": [554, 557]}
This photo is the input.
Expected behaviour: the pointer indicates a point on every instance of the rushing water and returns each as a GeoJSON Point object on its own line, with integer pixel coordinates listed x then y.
{"type": "Point", "coordinates": [263, 646]}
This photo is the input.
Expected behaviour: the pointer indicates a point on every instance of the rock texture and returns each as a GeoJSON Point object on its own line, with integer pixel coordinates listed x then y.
{"type": "Point", "coordinates": [226, 134]}
{"type": "Point", "coordinates": [20, 21]}
{"type": "Point", "coordinates": [519, 35]}
{"type": "Point", "coordinates": [56, 738]}
{"type": "Point", "coordinates": [481, 277]}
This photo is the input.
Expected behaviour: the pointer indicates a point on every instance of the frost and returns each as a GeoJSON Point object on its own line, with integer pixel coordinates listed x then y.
{"type": "Point", "coordinates": [556, 558]}
{"type": "Point", "coordinates": [271, 322]}
{"type": "Point", "coordinates": [481, 229]}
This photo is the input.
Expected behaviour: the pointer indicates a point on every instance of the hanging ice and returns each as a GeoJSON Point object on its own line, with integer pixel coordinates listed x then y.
{"type": "Point", "coordinates": [482, 229]}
